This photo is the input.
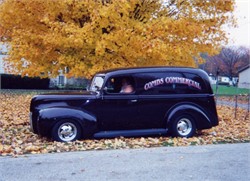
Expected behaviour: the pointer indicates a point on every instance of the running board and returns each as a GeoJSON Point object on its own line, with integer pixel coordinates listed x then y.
{"type": "Point", "coordinates": [130, 133]}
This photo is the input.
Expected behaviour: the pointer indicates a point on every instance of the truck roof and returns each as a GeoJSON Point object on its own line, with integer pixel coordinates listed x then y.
{"type": "Point", "coordinates": [152, 69]}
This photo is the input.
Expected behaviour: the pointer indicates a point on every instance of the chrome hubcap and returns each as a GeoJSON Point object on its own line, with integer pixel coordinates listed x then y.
{"type": "Point", "coordinates": [184, 126]}
{"type": "Point", "coordinates": [67, 131]}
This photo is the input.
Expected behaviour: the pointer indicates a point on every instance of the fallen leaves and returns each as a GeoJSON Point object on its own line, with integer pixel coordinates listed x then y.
{"type": "Point", "coordinates": [241, 99]}
{"type": "Point", "coordinates": [17, 139]}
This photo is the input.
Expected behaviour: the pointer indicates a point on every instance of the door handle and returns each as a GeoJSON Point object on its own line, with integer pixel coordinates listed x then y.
{"type": "Point", "coordinates": [133, 100]}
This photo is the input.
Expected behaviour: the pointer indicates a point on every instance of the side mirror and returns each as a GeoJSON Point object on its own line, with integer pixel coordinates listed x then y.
{"type": "Point", "coordinates": [88, 87]}
{"type": "Point", "coordinates": [97, 88]}
{"type": "Point", "coordinates": [105, 89]}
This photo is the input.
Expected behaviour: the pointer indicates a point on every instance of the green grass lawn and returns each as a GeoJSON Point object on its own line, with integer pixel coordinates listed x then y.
{"type": "Point", "coordinates": [229, 90]}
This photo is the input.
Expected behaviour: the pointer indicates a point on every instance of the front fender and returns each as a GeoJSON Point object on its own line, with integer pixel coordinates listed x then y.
{"type": "Point", "coordinates": [50, 116]}
{"type": "Point", "coordinates": [200, 116]}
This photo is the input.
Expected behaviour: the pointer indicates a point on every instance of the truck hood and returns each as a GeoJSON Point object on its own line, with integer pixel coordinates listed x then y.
{"type": "Point", "coordinates": [66, 95]}
{"type": "Point", "coordinates": [62, 99]}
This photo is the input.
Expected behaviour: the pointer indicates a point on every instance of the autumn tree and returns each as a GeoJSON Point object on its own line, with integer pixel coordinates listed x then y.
{"type": "Point", "coordinates": [228, 62]}
{"type": "Point", "coordinates": [91, 35]}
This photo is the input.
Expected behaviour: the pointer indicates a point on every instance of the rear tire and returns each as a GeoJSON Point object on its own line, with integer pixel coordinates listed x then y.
{"type": "Point", "coordinates": [66, 131]}
{"type": "Point", "coordinates": [183, 126]}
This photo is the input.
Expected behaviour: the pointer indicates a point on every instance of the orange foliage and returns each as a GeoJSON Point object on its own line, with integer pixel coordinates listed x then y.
{"type": "Point", "coordinates": [87, 36]}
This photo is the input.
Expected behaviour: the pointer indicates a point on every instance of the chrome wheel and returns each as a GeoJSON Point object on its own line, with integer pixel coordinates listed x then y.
{"type": "Point", "coordinates": [67, 131]}
{"type": "Point", "coordinates": [184, 127]}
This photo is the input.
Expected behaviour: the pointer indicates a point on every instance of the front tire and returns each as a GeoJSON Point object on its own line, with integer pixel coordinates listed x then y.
{"type": "Point", "coordinates": [183, 126]}
{"type": "Point", "coordinates": [66, 131]}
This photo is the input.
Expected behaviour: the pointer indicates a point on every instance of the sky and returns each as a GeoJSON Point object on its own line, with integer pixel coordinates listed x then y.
{"type": "Point", "coordinates": [240, 35]}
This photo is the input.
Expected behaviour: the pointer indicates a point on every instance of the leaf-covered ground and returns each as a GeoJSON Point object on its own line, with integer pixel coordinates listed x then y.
{"type": "Point", "coordinates": [17, 139]}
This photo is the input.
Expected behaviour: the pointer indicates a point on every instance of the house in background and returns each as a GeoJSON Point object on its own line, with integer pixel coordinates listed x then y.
{"type": "Point", "coordinates": [223, 80]}
{"type": "Point", "coordinates": [1, 63]}
{"type": "Point", "coordinates": [61, 81]}
{"type": "Point", "coordinates": [3, 52]}
{"type": "Point", "coordinates": [244, 77]}
{"type": "Point", "coordinates": [212, 79]}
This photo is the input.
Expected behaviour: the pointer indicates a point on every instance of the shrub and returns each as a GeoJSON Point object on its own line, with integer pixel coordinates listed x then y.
{"type": "Point", "coordinates": [9, 81]}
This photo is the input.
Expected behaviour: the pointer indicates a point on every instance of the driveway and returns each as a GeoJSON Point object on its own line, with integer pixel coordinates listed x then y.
{"type": "Point", "coordinates": [228, 162]}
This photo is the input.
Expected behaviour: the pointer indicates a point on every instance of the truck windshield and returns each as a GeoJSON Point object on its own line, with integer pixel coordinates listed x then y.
{"type": "Point", "coordinates": [97, 83]}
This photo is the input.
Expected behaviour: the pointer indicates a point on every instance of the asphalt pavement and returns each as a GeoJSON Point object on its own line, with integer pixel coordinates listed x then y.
{"type": "Point", "coordinates": [224, 162]}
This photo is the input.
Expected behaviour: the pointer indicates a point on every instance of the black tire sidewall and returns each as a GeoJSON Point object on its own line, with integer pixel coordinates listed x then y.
{"type": "Point", "coordinates": [54, 131]}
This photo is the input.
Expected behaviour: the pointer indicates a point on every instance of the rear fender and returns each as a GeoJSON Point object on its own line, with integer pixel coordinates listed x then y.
{"type": "Point", "coordinates": [201, 119]}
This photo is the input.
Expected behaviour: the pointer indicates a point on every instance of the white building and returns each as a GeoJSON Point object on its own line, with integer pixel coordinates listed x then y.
{"type": "Point", "coordinates": [244, 77]}
{"type": "Point", "coordinates": [1, 64]}
{"type": "Point", "coordinates": [212, 79]}
{"type": "Point", "coordinates": [3, 51]}
{"type": "Point", "coordinates": [224, 80]}
{"type": "Point", "coordinates": [60, 80]}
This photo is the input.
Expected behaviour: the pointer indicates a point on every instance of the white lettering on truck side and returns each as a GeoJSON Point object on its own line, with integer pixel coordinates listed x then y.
{"type": "Point", "coordinates": [153, 83]}
{"type": "Point", "coordinates": [172, 80]}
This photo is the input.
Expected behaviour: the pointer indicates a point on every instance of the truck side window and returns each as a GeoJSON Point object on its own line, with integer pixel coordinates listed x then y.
{"type": "Point", "coordinates": [127, 86]}
{"type": "Point", "coordinates": [120, 85]}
